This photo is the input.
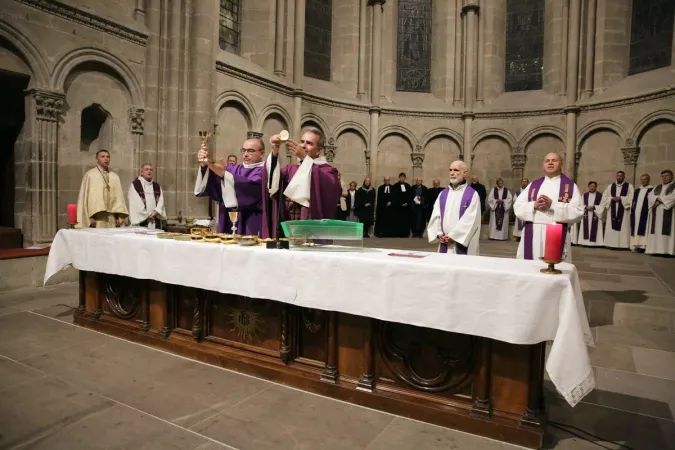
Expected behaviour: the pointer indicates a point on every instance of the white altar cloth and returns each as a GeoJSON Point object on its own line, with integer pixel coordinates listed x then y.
{"type": "Point", "coordinates": [503, 299]}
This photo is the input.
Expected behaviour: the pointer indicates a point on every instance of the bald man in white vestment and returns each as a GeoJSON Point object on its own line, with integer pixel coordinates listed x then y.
{"type": "Point", "coordinates": [146, 201]}
{"type": "Point", "coordinates": [639, 214]}
{"type": "Point", "coordinates": [553, 198]}
{"type": "Point", "coordinates": [617, 200]}
{"type": "Point", "coordinates": [455, 219]}
{"type": "Point", "coordinates": [661, 240]}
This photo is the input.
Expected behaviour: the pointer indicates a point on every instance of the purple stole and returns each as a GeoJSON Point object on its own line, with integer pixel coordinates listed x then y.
{"type": "Point", "coordinates": [617, 208]}
{"type": "Point", "coordinates": [564, 196]}
{"type": "Point", "coordinates": [667, 215]}
{"type": "Point", "coordinates": [642, 225]}
{"type": "Point", "coordinates": [467, 196]}
{"type": "Point", "coordinates": [138, 186]}
{"type": "Point", "coordinates": [594, 220]}
{"type": "Point", "coordinates": [499, 211]}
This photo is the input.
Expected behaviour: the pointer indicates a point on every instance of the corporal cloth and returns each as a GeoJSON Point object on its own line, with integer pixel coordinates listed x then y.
{"type": "Point", "coordinates": [566, 208]}
{"type": "Point", "coordinates": [312, 191]}
{"type": "Point", "coordinates": [639, 216]}
{"type": "Point", "coordinates": [100, 198]}
{"type": "Point", "coordinates": [499, 213]}
{"type": "Point", "coordinates": [456, 213]}
{"type": "Point", "coordinates": [241, 187]}
{"type": "Point", "coordinates": [661, 240]}
{"type": "Point", "coordinates": [617, 230]}
{"type": "Point", "coordinates": [457, 295]}
{"type": "Point", "coordinates": [146, 197]}
{"type": "Point", "coordinates": [590, 233]}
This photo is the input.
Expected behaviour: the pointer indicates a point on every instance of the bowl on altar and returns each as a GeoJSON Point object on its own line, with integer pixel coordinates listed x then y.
{"type": "Point", "coordinates": [190, 221]}
{"type": "Point", "coordinates": [247, 241]}
{"type": "Point", "coordinates": [224, 236]}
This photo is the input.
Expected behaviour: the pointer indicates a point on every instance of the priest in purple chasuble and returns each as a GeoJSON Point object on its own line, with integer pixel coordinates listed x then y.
{"type": "Point", "coordinates": [309, 190]}
{"type": "Point", "coordinates": [639, 214]}
{"type": "Point", "coordinates": [590, 230]}
{"type": "Point", "coordinates": [499, 201]}
{"type": "Point", "coordinates": [456, 215]}
{"type": "Point", "coordinates": [618, 198]}
{"type": "Point", "coordinates": [519, 224]}
{"type": "Point", "coordinates": [146, 201]}
{"type": "Point", "coordinates": [661, 239]}
{"type": "Point", "coordinates": [236, 187]}
{"type": "Point", "coordinates": [553, 198]}
{"type": "Point", "coordinates": [100, 203]}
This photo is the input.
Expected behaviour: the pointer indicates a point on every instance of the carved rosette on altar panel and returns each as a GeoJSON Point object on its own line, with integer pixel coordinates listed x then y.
{"type": "Point", "coordinates": [136, 122]}
{"type": "Point", "coordinates": [42, 134]}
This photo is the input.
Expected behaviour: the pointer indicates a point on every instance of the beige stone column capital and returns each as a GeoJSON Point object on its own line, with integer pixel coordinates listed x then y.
{"type": "Point", "coordinates": [48, 104]}
{"type": "Point", "coordinates": [254, 134]}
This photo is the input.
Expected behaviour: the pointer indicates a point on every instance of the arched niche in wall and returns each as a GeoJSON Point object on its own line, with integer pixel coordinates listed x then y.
{"type": "Point", "coordinates": [393, 157]}
{"type": "Point", "coordinates": [439, 152]}
{"type": "Point", "coordinates": [601, 158]}
{"type": "Point", "coordinates": [350, 157]}
{"type": "Point", "coordinates": [95, 129]}
{"type": "Point", "coordinates": [537, 148]}
{"type": "Point", "coordinates": [233, 124]}
{"type": "Point", "coordinates": [657, 149]}
{"type": "Point", "coordinates": [492, 160]}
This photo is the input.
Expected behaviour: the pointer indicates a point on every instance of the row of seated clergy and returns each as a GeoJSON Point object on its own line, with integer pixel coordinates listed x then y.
{"type": "Point", "coordinates": [310, 189]}
{"type": "Point", "coordinates": [100, 202]}
{"type": "Point", "coordinates": [641, 219]}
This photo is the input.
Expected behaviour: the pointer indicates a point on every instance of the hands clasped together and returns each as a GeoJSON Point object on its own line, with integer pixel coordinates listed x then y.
{"type": "Point", "coordinates": [543, 203]}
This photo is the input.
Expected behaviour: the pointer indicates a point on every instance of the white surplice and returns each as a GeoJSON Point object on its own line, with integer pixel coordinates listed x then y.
{"type": "Point", "coordinates": [516, 231]}
{"type": "Point", "coordinates": [658, 243]}
{"type": "Point", "coordinates": [614, 238]}
{"type": "Point", "coordinates": [466, 230]}
{"type": "Point", "coordinates": [588, 223]}
{"type": "Point", "coordinates": [502, 235]}
{"type": "Point", "coordinates": [559, 212]}
{"type": "Point", "coordinates": [138, 212]}
{"type": "Point", "coordinates": [574, 233]}
{"type": "Point", "coordinates": [637, 241]}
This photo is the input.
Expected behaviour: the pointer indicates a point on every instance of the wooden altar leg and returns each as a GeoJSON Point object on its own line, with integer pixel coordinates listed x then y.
{"type": "Point", "coordinates": [482, 405]}
{"type": "Point", "coordinates": [532, 416]}
{"type": "Point", "coordinates": [145, 306]}
{"type": "Point", "coordinates": [197, 316]}
{"type": "Point", "coordinates": [330, 373]}
{"type": "Point", "coordinates": [284, 350]}
{"type": "Point", "coordinates": [167, 310]}
{"type": "Point", "coordinates": [82, 304]}
{"type": "Point", "coordinates": [367, 381]}
{"type": "Point", "coordinates": [100, 292]}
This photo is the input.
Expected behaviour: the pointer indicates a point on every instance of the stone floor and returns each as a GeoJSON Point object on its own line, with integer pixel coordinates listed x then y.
{"type": "Point", "coordinates": [64, 387]}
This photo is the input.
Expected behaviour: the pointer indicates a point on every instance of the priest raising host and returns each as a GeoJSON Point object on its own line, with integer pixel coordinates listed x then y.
{"type": "Point", "coordinates": [552, 198]}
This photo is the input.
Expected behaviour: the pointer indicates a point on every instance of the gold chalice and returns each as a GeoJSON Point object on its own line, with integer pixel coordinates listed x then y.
{"type": "Point", "coordinates": [234, 216]}
{"type": "Point", "coordinates": [205, 135]}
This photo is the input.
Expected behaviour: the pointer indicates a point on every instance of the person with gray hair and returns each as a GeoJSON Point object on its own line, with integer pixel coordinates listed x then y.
{"type": "Point", "coordinates": [661, 240]}
{"type": "Point", "coordinates": [310, 188]}
{"type": "Point", "coordinates": [146, 201]}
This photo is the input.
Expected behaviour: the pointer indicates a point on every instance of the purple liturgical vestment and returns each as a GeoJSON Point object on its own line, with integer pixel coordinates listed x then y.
{"type": "Point", "coordinates": [248, 189]}
{"type": "Point", "coordinates": [325, 192]}
{"type": "Point", "coordinates": [465, 203]}
{"type": "Point", "coordinates": [593, 236]}
{"type": "Point", "coordinates": [617, 209]}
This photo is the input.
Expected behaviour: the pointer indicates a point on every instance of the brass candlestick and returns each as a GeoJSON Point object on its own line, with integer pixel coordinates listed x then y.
{"type": "Point", "coordinates": [551, 270]}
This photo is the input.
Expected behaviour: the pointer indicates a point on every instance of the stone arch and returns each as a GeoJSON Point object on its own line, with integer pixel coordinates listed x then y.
{"type": "Point", "coordinates": [86, 55]}
{"type": "Point", "coordinates": [649, 120]}
{"type": "Point", "coordinates": [400, 131]}
{"type": "Point", "coordinates": [316, 120]}
{"type": "Point", "coordinates": [274, 109]}
{"type": "Point", "coordinates": [542, 131]}
{"type": "Point", "coordinates": [29, 52]}
{"type": "Point", "coordinates": [496, 133]}
{"type": "Point", "coordinates": [242, 102]}
{"type": "Point", "coordinates": [445, 132]}
{"type": "Point", "coordinates": [353, 127]}
{"type": "Point", "coordinates": [604, 124]}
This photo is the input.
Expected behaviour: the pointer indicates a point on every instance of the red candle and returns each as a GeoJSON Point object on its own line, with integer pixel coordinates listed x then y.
{"type": "Point", "coordinates": [72, 214]}
{"type": "Point", "coordinates": [553, 248]}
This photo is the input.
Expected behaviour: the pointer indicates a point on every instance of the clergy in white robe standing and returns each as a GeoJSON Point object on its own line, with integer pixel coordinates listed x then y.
{"type": "Point", "coordinates": [455, 219]}
{"type": "Point", "coordinates": [499, 202]}
{"type": "Point", "coordinates": [590, 229]}
{"type": "Point", "coordinates": [639, 214]}
{"type": "Point", "coordinates": [552, 198]}
{"type": "Point", "coordinates": [617, 200]}
{"type": "Point", "coordinates": [519, 224]}
{"type": "Point", "coordinates": [661, 240]}
{"type": "Point", "coordinates": [146, 201]}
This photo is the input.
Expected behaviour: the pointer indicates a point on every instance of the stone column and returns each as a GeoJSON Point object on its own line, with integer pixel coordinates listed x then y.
{"type": "Point", "coordinates": [481, 56]}
{"type": "Point", "coordinates": [563, 50]}
{"type": "Point", "coordinates": [631, 152]}
{"type": "Point", "coordinates": [572, 86]}
{"type": "Point", "coordinates": [298, 65]}
{"type": "Point", "coordinates": [139, 11]}
{"type": "Point", "coordinates": [590, 49]}
{"type": "Point", "coordinates": [467, 152]}
{"type": "Point", "coordinates": [136, 119]}
{"type": "Point", "coordinates": [152, 97]}
{"type": "Point", "coordinates": [37, 165]}
{"type": "Point", "coordinates": [470, 11]}
{"type": "Point", "coordinates": [417, 158]}
{"type": "Point", "coordinates": [375, 83]}
{"type": "Point", "coordinates": [279, 38]}
{"type": "Point", "coordinates": [457, 89]}
{"type": "Point", "coordinates": [361, 84]}
{"type": "Point", "coordinates": [518, 160]}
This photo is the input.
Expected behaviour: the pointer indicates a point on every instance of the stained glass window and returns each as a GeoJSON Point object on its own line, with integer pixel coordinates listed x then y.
{"type": "Point", "coordinates": [524, 45]}
{"type": "Point", "coordinates": [651, 35]}
{"type": "Point", "coordinates": [413, 63]}
{"type": "Point", "coordinates": [230, 25]}
{"type": "Point", "coordinates": [318, 27]}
